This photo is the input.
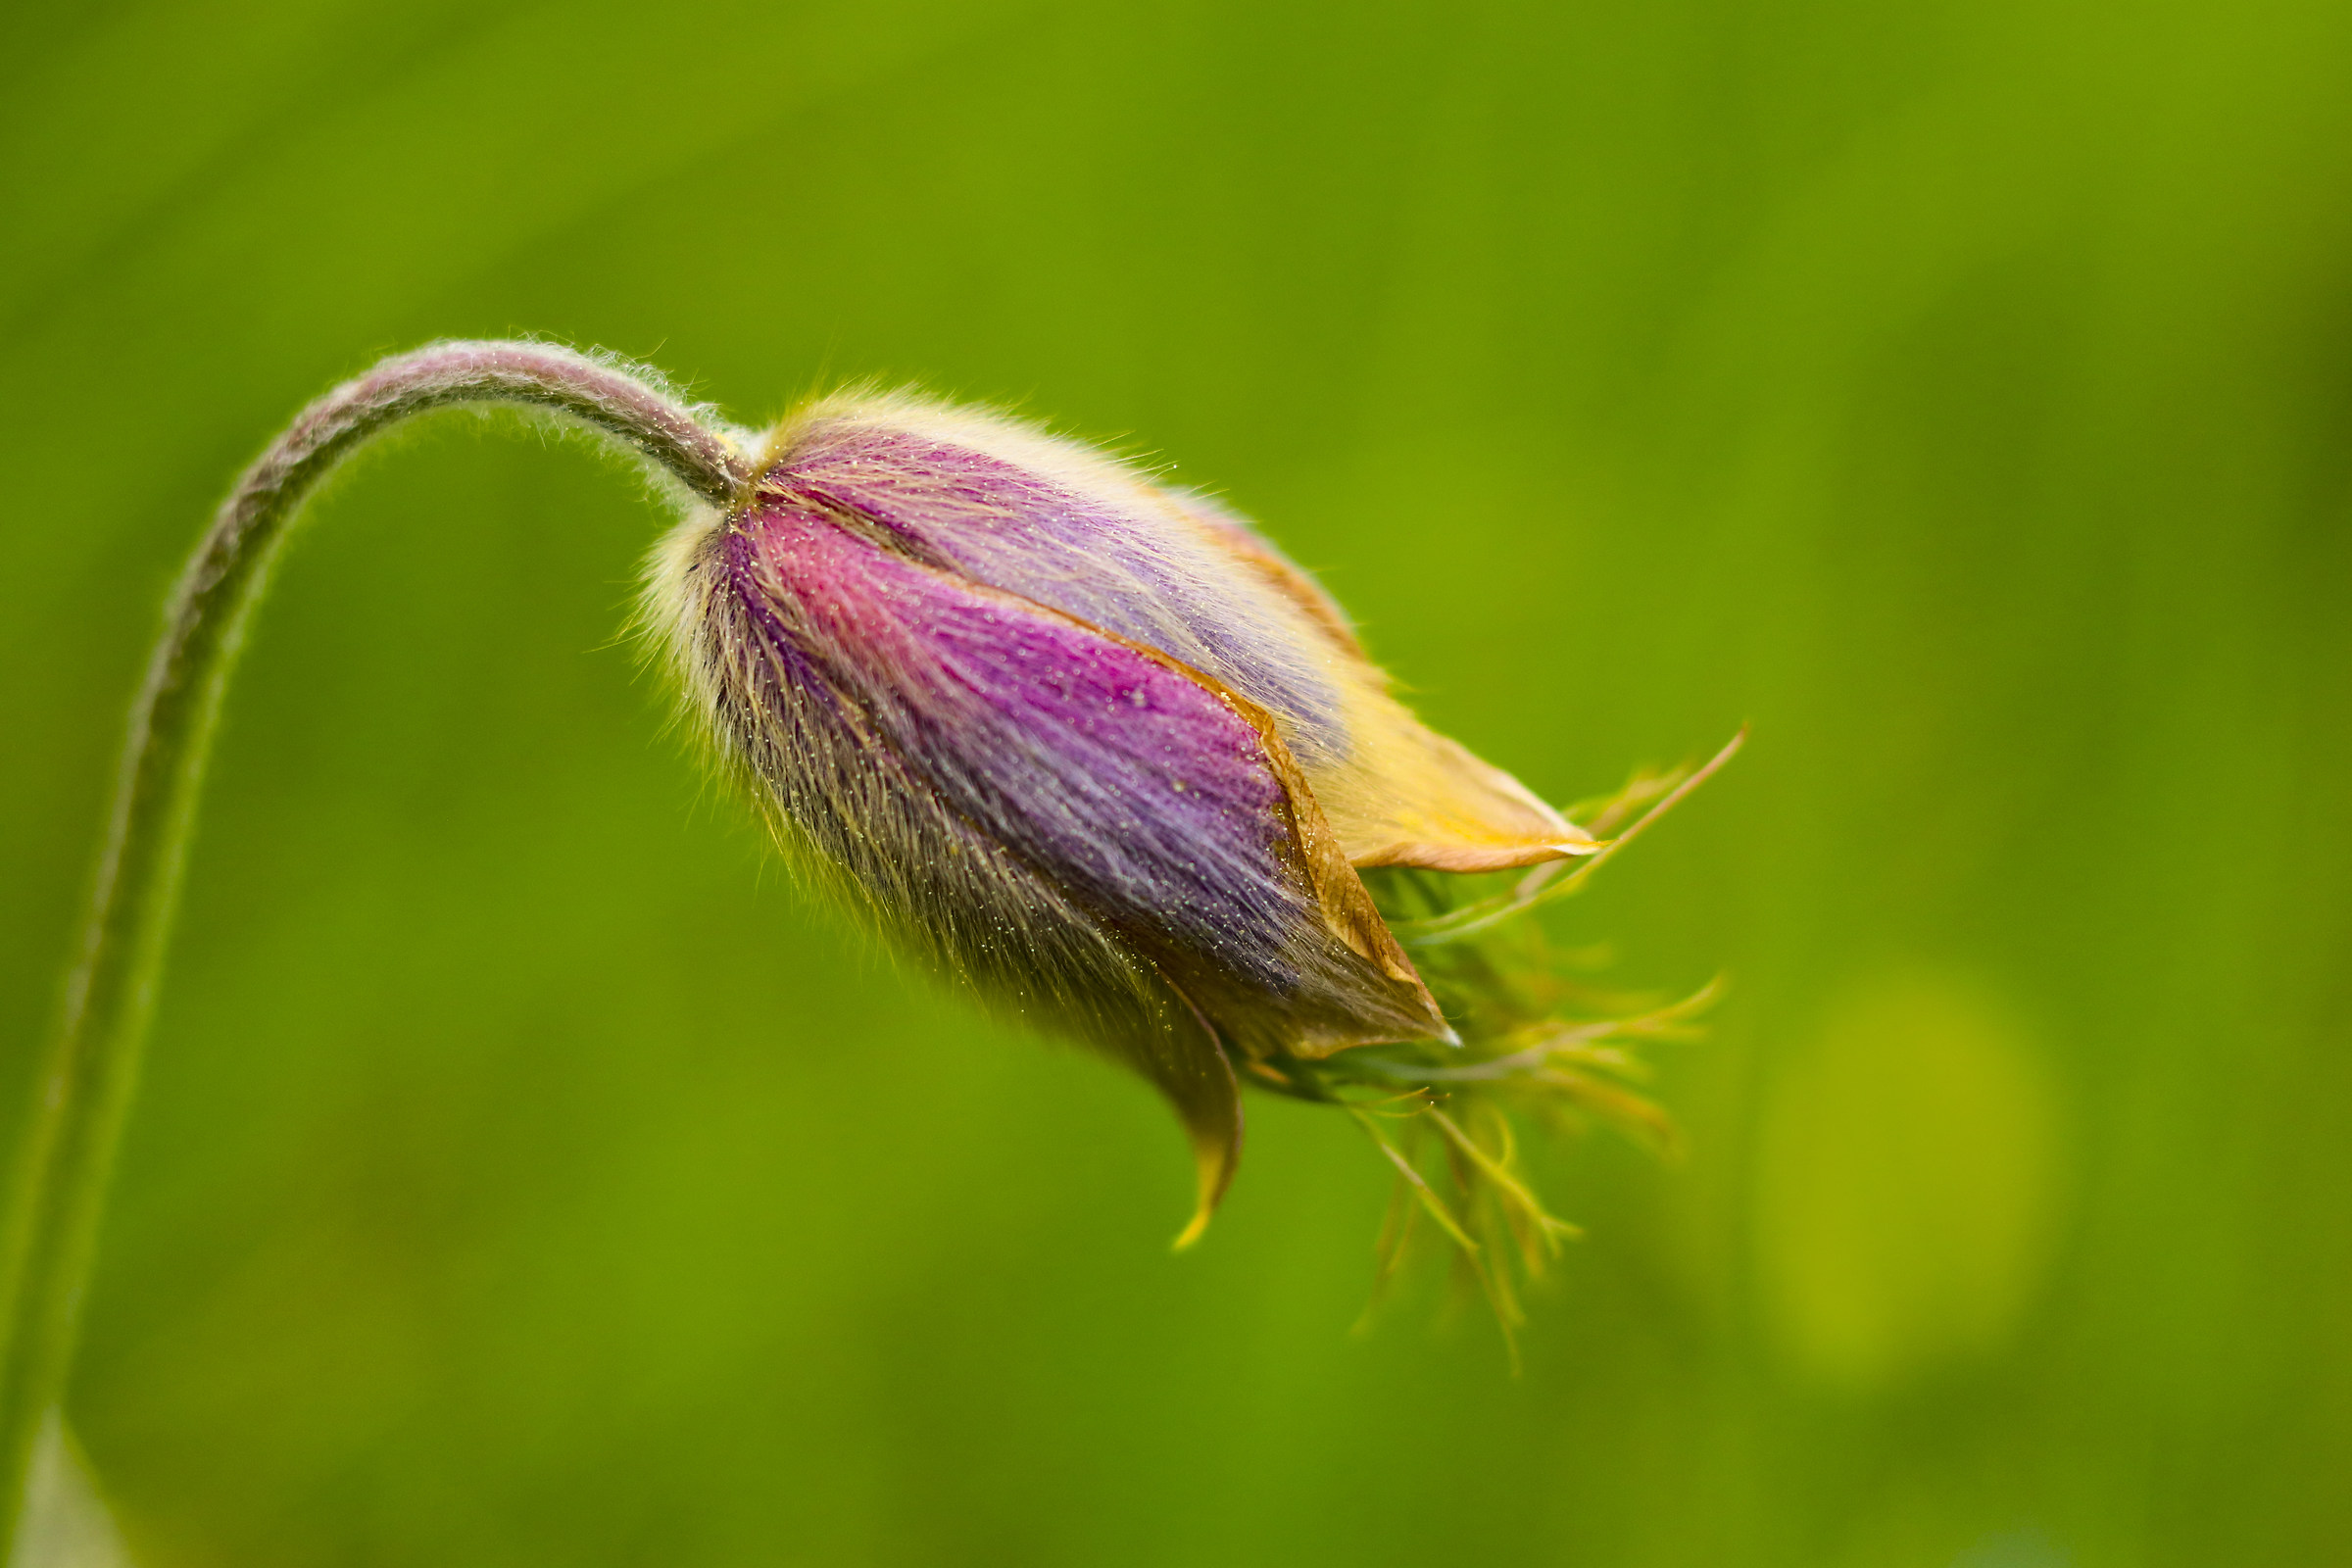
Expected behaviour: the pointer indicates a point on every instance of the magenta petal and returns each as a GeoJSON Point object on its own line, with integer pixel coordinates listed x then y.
{"type": "Point", "coordinates": [1131, 785]}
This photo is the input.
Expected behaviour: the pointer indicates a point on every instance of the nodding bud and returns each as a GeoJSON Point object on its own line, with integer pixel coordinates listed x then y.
{"type": "Point", "coordinates": [1088, 742]}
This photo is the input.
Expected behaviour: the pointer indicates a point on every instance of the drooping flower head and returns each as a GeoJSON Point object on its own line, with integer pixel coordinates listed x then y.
{"type": "Point", "coordinates": [1088, 742]}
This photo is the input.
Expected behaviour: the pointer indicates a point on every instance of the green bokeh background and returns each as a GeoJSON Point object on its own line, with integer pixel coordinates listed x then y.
{"type": "Point", "coordinates": [524, 1174]}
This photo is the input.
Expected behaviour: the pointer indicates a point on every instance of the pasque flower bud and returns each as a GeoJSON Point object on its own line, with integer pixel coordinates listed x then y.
{"type": "Point", "coordinates": [1086, 741]}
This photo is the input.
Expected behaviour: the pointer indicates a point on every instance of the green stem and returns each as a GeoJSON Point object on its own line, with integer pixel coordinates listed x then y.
{"type": "Point", "coordinates": [85, 1085]}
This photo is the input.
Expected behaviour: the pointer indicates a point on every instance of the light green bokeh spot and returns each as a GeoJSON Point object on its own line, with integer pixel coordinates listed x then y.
{"type": "Point", "coordinates": [1910, 1182]}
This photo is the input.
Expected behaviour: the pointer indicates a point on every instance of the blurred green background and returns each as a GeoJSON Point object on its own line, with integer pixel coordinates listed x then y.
{"type": "Point", "coordinates": [523, 1175]}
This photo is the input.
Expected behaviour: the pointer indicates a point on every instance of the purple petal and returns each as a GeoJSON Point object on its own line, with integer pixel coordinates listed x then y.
{"type": "Point", "coordinates": [1143, 796]}
{"type": "Point", "coordinates": [1115, 554]}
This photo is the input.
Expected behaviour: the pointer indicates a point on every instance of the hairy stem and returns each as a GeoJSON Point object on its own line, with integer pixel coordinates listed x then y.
{"type": "Point", "coordinates": [85, 1084]}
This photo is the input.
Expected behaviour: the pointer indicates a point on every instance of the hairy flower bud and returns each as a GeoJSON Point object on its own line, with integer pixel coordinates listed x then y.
{"type": "Point", "coordinates": [1088, 742]}
{"type": "Point", "coordinates": [1085, 741]}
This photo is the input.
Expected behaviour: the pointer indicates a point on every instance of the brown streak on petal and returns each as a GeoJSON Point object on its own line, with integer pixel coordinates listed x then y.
{"type": "Point", "coordinates": [1442, 856]}
{"type": "Point", "coordinates": [1347, 908]}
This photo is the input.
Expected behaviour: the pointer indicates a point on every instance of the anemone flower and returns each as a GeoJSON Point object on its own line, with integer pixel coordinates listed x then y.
{"type": "Point", "coordinates": [1082, 742]}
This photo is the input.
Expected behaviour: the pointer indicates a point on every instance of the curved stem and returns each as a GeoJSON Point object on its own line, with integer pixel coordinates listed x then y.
{"type": "Point", "coordinates": [85, 1084]}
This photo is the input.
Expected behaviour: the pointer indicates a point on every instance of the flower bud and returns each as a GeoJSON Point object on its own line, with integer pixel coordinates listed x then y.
{"type": "Point", "coordinates": [1087, 741]}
